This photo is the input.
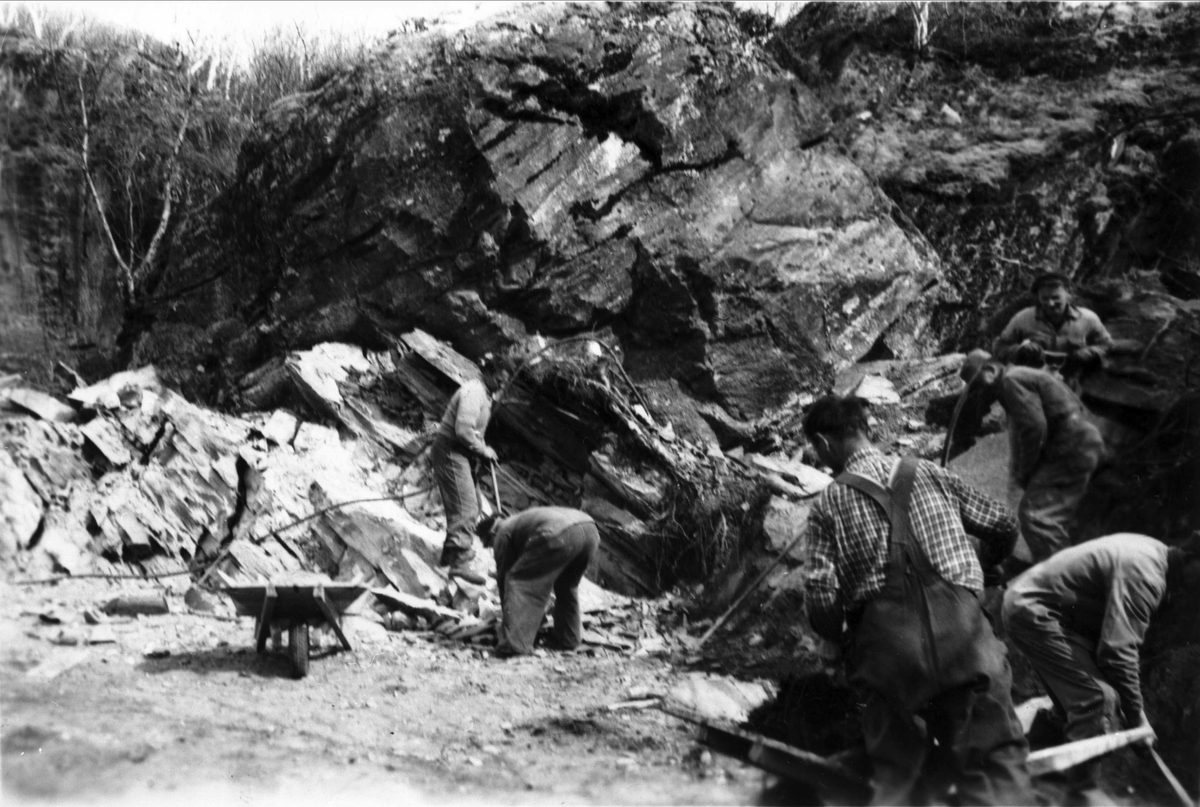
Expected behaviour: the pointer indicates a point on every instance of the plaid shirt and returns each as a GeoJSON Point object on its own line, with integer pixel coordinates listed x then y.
{"type": "Point", "coordinates": [848, 536]}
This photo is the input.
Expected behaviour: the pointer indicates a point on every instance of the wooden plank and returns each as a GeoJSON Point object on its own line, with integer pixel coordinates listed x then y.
{"type": "Point", "coordinates": [330, 616]}
{"type": "Point", "coordinates": [263, 627]}
{"type": "Point", "coordinates": [835, 783]}
{"type": "Point", "coordinates": [1062, 757]}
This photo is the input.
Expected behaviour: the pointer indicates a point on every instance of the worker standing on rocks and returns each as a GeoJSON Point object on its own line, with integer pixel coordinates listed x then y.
{"type": "Point", "coordinates": [1055, 448]}
{"type": "Point", "coordinates": [1054, 330]}
{"type": "Point", "coordinates": [459, 441]}
{"type": "Point", "coordinates": [936, 680]}
{"type": "Point", "coordinates": [539, 551]}
{"type": "Point", "coordinates": [1081, 617]}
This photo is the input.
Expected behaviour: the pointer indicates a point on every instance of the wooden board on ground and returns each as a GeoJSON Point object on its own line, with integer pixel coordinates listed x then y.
{"type": "Point", "coordinates": [835, 783]}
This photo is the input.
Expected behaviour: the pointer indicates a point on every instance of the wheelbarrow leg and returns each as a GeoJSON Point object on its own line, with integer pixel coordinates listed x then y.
{"type": "Point", "coordinates": [263, 629]}
{"type": "Point", "coordinates": [298, 647]}
{"type": "Point", "coordinates": [330, 616]}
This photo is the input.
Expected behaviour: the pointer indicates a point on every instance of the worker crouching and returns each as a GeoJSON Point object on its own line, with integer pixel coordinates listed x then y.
{"type": "Point", "coordinates": [1081, 618]}
{"type": "Point", "coordinates": [539, 551]}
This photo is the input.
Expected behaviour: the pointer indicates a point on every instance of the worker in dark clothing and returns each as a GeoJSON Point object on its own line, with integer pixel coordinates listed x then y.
{"type": "Point", "coordinates": [460, 440]}
{"type": "Point", "coordinates": [1055, 448]}
{"type": "Point", "coordinates": [1081, 617]}
{"type": "Point", "coordinates": [539, 551]}
{"type": "Point", "coordinates": [968, 725]}
{"type": "Point", "coordinates": [1072, 337]}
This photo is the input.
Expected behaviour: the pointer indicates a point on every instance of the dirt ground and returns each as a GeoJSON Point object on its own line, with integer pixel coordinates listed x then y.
{"type": "Point", "coordinates": [181, 706]}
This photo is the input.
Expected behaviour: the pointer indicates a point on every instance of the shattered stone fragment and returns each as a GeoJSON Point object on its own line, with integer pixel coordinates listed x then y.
{"type": "Point", "coordinates": [44, 406]}
{"type": "Point", "coordinates": [148, 603]}
{"type": "Point", "coordinates": [22, 511]}
{"type": "Point", "coordinates": [105, 438]}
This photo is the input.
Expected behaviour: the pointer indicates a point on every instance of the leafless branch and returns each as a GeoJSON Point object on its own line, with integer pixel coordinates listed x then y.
{"type": "Point", "coordinates": [87, 173]}
{"type": "Point", "coordinates": [164, 220]}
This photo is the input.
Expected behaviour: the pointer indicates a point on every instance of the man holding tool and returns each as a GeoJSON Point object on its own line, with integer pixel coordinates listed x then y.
{"type": "Point", "coordinates": [1055, 448]}
{"type": "Point", "coordinates": [460, 440]}
{"type": "Point", "coordinates": [935, 678]}
{"type": "Point", "coordinates": [1081, 617]}
{"type": "Point", "coordinates": [539, 551]}
{"type": "Point", "coordinates": [1054, 332]}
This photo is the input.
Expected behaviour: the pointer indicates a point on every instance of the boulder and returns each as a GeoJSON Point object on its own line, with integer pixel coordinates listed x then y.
{"type": "Point", "coordinates": [644, 166]}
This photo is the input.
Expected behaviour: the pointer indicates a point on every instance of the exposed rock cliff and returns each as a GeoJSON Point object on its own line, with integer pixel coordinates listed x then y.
{"type": "Point", "coordinates": [642, 168]}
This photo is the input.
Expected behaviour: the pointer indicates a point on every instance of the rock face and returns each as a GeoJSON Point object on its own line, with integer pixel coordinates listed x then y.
{"type": "Point", "coordinates": [642, 168]}
{"type": "Point", "coordinates": [1028, 142]}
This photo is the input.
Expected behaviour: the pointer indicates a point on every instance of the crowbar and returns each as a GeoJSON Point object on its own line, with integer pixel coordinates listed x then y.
{"type": "Point", "coordinates": [757, 582]}
{"type": "Point", "coordinates": [495, 488]}
{"type": "Point", "coordinates": [1182, 794]}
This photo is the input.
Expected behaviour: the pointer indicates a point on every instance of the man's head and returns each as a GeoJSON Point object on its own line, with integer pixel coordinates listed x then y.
{"type": "Point", "coordinates": [979, 369]}
{"type": "Point", "coordinates": [1053, 293]}
{"type": "Point", "coordinates": [495, 375]}
{"type": "Point", "coordinates": [486, 528]}
{"type": "Point", "coordinates": [837, 427]}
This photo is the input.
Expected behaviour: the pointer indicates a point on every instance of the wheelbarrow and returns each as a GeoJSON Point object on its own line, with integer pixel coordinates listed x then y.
{"type": "Point", "coordinates": [296, 606]}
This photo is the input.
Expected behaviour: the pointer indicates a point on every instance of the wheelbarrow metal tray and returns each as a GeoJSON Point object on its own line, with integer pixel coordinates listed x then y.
{"type": "Point", "coordinates": [295, 601]}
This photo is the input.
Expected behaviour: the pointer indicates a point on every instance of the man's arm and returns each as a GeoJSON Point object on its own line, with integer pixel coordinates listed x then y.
{"type": "Point", "coordinates": [474, 411]}
{"type": "Point", "coordinates": [823, 598]}
{"type": "Point", "coordinates": [1027, 423]}
{"type": "Point", "coordinates": [992, 522]}
{"type": "Point", "coordinates": [503, 549]}
{"type": "Point", "coordinates": [1133, 597]}
{"type": "Point", "coordinates": [1098, 340]}
{"type": "Point", "coordinates": [1009, 341]}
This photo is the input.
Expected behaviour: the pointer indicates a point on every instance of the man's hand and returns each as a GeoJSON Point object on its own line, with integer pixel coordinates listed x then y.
{"type": "Point", "coordinates": [1030, 353]}
{"type": "Point", "coordinates": [994, 576]}
{"type": "Point", "coordinates": [1088, 356]}
{"type": "Point", "coordinates": [490, 454]}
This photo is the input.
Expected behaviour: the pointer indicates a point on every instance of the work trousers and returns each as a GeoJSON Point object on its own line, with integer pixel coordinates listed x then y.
{"type": "Point", "coordinates": [1053, 494]}
{"type": "Point", "coordinates": [1065, 660]}
{"type": "Point", "coordinates": [980, 747]}
{"type": "Point", "coordinates": [547, 563]}
{"type": "Point", "coordinates": [452, 470]}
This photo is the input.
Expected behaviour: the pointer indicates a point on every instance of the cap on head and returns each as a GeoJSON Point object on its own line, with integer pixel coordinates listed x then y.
{"type": "Point", "coordinates": [485, 528]}
{"type": "Point", "coordinates": [1050, 279]}
{"type": "Point", "coordinates": [975, 361]}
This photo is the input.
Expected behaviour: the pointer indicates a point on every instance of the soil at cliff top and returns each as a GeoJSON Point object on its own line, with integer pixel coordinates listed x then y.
{"type": "Point", "coordinates": [181, 707]}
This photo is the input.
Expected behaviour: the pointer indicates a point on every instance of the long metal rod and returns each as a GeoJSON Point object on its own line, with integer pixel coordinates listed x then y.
{"type": "Point", "coordinates": [958, 407]}
{"type": "Point", "coordinates": [1180, 792]}
{"type": "Point", "coordinates": [757, 582]}
{"type": "Point", "coordinates": [495, 487]}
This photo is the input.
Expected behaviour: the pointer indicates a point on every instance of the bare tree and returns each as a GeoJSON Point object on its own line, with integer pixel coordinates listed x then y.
{"type": "Point", "coordinates": [921, 33]}
{"type": "Point", "coordinates": [134, 268]}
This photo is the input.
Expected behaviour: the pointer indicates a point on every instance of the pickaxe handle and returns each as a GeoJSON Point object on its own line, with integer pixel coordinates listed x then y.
{"type": "Point", "coordinates": [495, 487]}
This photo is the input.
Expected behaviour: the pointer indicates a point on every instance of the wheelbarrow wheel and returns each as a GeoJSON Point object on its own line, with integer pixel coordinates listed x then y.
{"type": "Point", "coordinates": [298, 648]}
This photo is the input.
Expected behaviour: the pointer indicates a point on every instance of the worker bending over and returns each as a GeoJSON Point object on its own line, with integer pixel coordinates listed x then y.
{"type": "Point", "coordinates": [1054, 326]}
{"type": "Point", "coordinates": [955, 713]}
{"type": "Point", "coordinates": [1055, 448]}
{"type": "Point", "coordinates": [539, 551]}
{"type": "Point", "coordinates": [1080, 618]}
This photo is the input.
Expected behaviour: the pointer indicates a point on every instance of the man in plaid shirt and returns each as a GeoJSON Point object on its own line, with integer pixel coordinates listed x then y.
{"type": "Point", "coordinates": [979, 737]}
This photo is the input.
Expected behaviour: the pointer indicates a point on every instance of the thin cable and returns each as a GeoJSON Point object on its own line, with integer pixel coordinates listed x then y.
{"type": "Point", "coordinates": [205, 568]}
